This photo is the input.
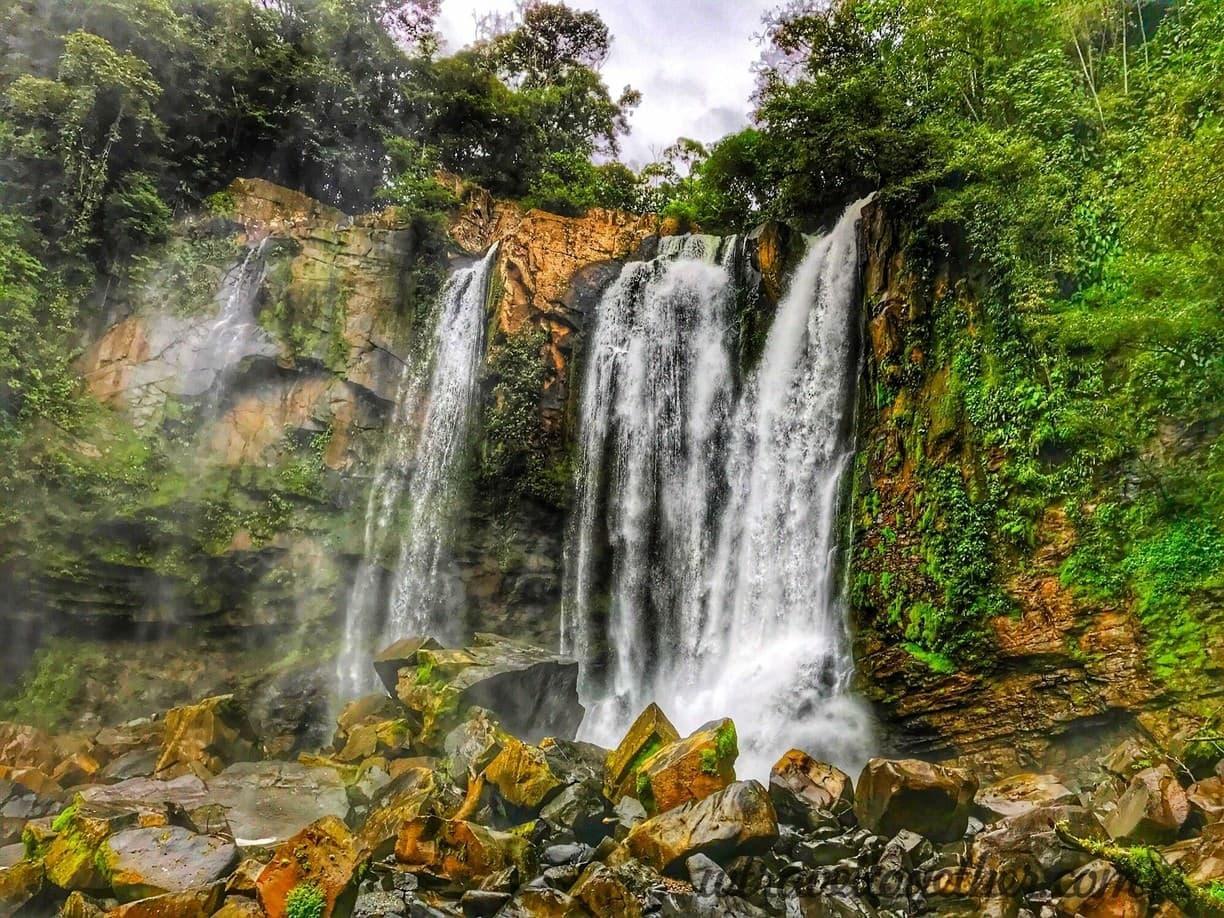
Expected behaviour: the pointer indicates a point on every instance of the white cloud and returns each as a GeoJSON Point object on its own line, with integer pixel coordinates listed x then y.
{"type": "Point", "coordinates": [691, 59]}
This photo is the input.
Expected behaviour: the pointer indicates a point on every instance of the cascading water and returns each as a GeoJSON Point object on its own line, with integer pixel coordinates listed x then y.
{"type": "Point", "coordinates": [719, 508]}
{"type": "Point", "coordinates": [417, 467]}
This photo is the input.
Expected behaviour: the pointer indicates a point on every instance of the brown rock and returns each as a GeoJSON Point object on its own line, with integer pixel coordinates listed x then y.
{"type": "Point", "coordinates": [22, 746]}
{"type": "Point", "coordinates": [1206, 798]}
{"type": "Point", "coordinates": [325, 854]}
{"type": "Point", "coordinates": [403, 653]}
{"type": "Point", "coordinates": [19, 884]}
{"type": "Point", "coordinates": [1153, 809]}
{"type": "Point", "coordinates": [809, 793]}
{"type": "Point", "coordinates": [78, 768]}
{"type": "Point", "coordinates": [690, 769]}
{"type": "Point", "coordinates": [32, 779]}
{"type": "Point", "coordinates": [204, 738]}
{"type": "Point", "coordinates": [239, 907]}
{"type": "Point", "coordinates": [896, 794]}
{"type": "Point", "coordinates": [1097, 890]}
{"type": "Point", "coordinates": [1022, 793]}
{"type": "Point", "coordinates": [460, 851]}
{"type": "Point", "coordinates": [417, 795]}
{"type": "Point", "coordinates": [604, 892]}
{"type": "Point", "coordinates": [542, 902]}
{"type": "Point", "coordinates": [522, 775]}
{"type": "Point", "coordinates": [737, 820]}
{"type": "Point", "coordinates": [193, 903]}
{"type": "Point", "coordinates": [648, 734]}
{"type": "Point", "coordinates": [1024, 852]}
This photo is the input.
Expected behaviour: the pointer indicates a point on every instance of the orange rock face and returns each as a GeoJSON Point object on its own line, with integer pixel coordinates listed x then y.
{"type": "Point", "coordinates": [325, 854]}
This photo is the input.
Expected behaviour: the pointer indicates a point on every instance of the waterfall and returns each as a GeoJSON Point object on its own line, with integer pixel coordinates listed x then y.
{"type": "Point", "coordinates": [410, 507]}
{"type": "Point", "coordinates": [702, 562]}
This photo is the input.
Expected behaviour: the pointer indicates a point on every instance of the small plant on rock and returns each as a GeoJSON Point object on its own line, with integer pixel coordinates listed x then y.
{"type": "Point", "coordinates": [305, 901]}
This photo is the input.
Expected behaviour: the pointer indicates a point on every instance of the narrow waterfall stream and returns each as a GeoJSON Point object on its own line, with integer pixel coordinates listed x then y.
{"type": "Point", "coordinates": [410, 509]}
{"type": "Point", "coordinates": [702, 561]}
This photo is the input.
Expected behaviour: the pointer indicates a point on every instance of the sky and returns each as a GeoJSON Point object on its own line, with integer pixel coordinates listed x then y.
{"type": "Point", "coordinates": [691, 60]}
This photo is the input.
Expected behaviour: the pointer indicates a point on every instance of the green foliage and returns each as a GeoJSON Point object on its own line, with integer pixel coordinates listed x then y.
{"type": "Point", "coordinates": [305, 900]}
{"type": "Point", "coordinates": [51, 691]}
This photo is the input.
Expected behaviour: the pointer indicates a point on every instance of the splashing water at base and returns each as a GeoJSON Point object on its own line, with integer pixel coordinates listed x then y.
{"type": "Point", "coordinates": [722, 591]}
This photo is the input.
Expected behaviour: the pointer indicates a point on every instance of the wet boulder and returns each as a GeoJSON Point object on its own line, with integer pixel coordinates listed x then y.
{"type": "Point", "coordinates": [400, 655]}
{"type": "Point", "coordinates": [268, 802]}
{"type": "Point", "coordinates": [19, 883]}
{"type": "Point", "coordinates": [809, 793]}
{"type": "Point", "coordinates": [896, 794]}
{"type": "Point", "coordinates": [1024, 851]}
{"type": "Point", "coordinates": [1021, 793]}
{"type": "Point", "coordinates": [141, 863]}
{"type": "Point", "coordinates": [417, 794]}
{"type": "Point", "coordinates": [201, 902]}
{"type": "Point", "coordinates": [532, 692]}
{"type": "Point", "coordinates": [1206, 799]}
{"type": "Point", "coordinates": [522, 775]}
{"type": "Point", "coordinates": [1098, 890]}
{"type": "Point", "coordinates": [689, 769]}
{"type": "Point", "coordinates": [22, 746]}
{"type": "Point", "coordinates": [1152, 810]}
{"type": "Point", "coordinates": [187, 792]}
{"type": "Point", "coordinates": [71, 856]}
{"type": "Point", "coordinates": [737, 820]}
{"type": "Point", "coordinates": [460, 851]}
{"type": "Point", "coordinates": [204, 738]}
{"type": "Point", "coordinates": [325, 856]}
{"type": "Point", "coordinates": [623, 890]}
{"type": "Point", "coordinates": [650, 732]}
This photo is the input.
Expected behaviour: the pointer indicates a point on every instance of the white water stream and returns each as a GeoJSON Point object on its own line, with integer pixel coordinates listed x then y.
{"type": "Point", "coordinates": [702, 562]}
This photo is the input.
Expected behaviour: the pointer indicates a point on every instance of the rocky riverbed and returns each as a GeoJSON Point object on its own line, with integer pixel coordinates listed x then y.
{"type": "Point", "coordinates": [460, 790]}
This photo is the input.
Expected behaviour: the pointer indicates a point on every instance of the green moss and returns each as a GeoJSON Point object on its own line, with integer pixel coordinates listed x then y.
{"type": "Point", "coordinates": [709, 761]}
{"type": "Point", "coordinates": [726, 743]}
{"type": "Point", "coordinates": [64, 819]}
{"type": "Point", "coordinates": [305, 900]}
{"type": "Point", "coordinates": [935, 662]}
{"type": "Point", "coordinates": [50, 693]}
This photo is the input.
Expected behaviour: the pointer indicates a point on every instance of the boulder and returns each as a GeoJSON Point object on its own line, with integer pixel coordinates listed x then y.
{"type": "Point", "coordinates": [34, 780]}
{"type": "Point", "coordinates": [1153, 809]}
{"type": "Point", "coordinates": [533, 693]}
{"type": "Point", "coordinates": [239, 907]}
{"type": "Point", "coordinates": [72, 855]}
{"type": "Point", "coordinates": [1022, 793]}
{"type": "Point", "coordinates": [204, 738]}
{"type": "Point", "coordinates": [19, 884]}
{"type": "Point", "coordinates": [896, 794]}
{"type": "Point", "coordinates": [22, 746]}
{"type": "Point", "coordinates": [690, 769]}
{"type": "Point", "coordinates": [473, 744]}
{"type": "Point", "coordinates": [400, 655]}
{"type": "Point", "coordinates": [267, 802]}
{"type": "Point", "coordinates": [1206, 799]}
{"type": "Point", "coordinates": [1097, 890]}
{"type": "Point", "coordinates": [542, 902]}
{"type": "Point", "coordinates": [460, 851]}
{"type": "Point", "coordinates": [186, 791]}
{"type": "Point", "coordinates": [76, 769]}
{"type": "Point", "coordinates": [1024, 852]}
{"type": "Point", "coordinates": [650, 732]}
{"type": "Point", "coordinates": [809, 793]}
{"type": "Point", "coordinates": [522, 775]}
{"type": "Point", "coordinates": [737, 820]}
{"type": "Point", "coordinates": [135, 763]}
{"type": "Point", "coordinates": [141, 863]}
{"type": "Point", "coordinates": [605, 890]}
{"type": "Point", "coordinates": [325, 855]}
{"type": "Point", "coordinates": [382, 738]}
{"type": "Point", "coordinates": [417, 795]}
{"type": "Point", "coordinates": [193, 903]}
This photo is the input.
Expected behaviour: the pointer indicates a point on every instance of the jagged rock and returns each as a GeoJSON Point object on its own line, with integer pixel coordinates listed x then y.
{"type": "Point", "coordinates": [605, 890]}
{"type": "Point", "coordinates": [239, 907]}
{"type": "Point", "coordinates": [32, 779]}
{"type": "Point", "coordinates": [77, 769]}
{"type": "Point", "coordinates": [417, 795]}
{"type": "Point", "coordinates": [1025, 852]}
{"type": "Point", "coordinates": [1097, 890]}
{"type": "Point", "coordinates": [400, 655]}
{"type": "Point", "coordinates": [193, 903]}
{"type": "Point", "coordinates": [896, 794]}
{"type": "Point", "coordinates": [689, 769]}
{"type": "Point", "coordinates": [737, 820]}
{"type": "Point", "coordinates": [268, 802]}
{"type": "Point", "coordinates": [325, 855]}
{"type": "Point", "coordinates": [809, 793]}
{"type": "Point", "coordinates": [522, 775]}
{"type": "Point", "coordinates": [185, 791]}
{"type": "Point", "coordinates": [22, 746]}
{"type": "Point", "coordinates": [72, 855]}
{"type": "Point", "coordinates": [385, 738]}
{"type": "Point", "coordinates": [482, 903]}
{"type": "Point", "coordinates": [1153, 809]}
{"type": "Point", "coordinates": [532, 692]}
{"type": "Point", "coordinates": [78, 905]}
{"type": "Point", "coordinates": [707, 877]}
{"type": "Point", "coordinates": [1022, 793]}
{"type": "Point", "coordinates": [1206, 798]}
{"type": "Point", "coordinates": [141, 863]}
{"type": "Point", "coordinates": [204, 738]}
{"type": "Point", "coordinates": [19, 805]}
{"type": "Point", "coordinates": [580, 808]}
{"type": "Point", "coordinates": [460, 851]}
{"type": "Point", "coordinates": [20, 883]}
{"type": "Point", "coordinates": [650, 732]}
{"type": "Point", "coordinates": [135, 763]}
{"type": "Point", "coordinates": [542, 902]}
{"type": "Point", "coordinates": [473, 744]}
